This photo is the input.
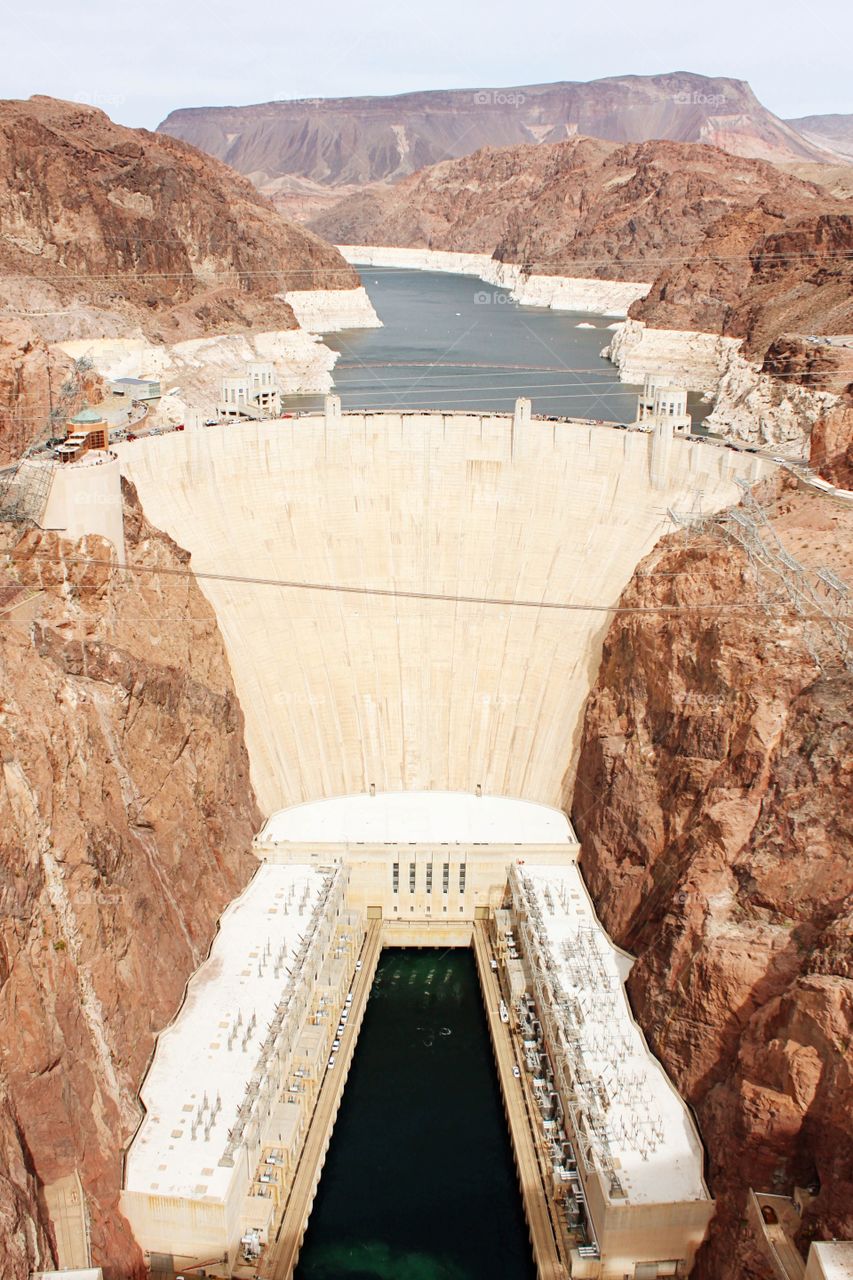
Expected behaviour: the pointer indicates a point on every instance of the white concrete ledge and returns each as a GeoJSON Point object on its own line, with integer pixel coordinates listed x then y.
{"type": "Point", "coordinates": [409, 816]}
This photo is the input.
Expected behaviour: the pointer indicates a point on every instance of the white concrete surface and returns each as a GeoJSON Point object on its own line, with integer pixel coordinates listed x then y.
{"type": "Point", "coordinates": [561, 293]}
{"type": "Point", "coordinates": [344, 690]}
{"type": "Point", "coordinates": [440, 817]}
{"type": "Point", "coordinates": [652, 1139]}
{"type": "Point", "coordinates": [86, 1273]}
{"type": "Point", "coordinates": [232, 996]}
{"type": "Point", "coordinates": [85, 497]}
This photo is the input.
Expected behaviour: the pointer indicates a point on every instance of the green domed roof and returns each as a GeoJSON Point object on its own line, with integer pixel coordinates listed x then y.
{"type": "Point", "coordinates": [86, 417]}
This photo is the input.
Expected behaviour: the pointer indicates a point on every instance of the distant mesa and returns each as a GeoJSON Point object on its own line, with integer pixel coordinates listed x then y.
{"type": "Point", "coordinates": [832, 132]}
{"type": "Point", "coordinates": [294, 147]}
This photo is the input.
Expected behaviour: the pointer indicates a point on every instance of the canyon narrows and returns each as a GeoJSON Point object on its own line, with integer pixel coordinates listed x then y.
{"type": "Point", "coordinates": [426, 668]}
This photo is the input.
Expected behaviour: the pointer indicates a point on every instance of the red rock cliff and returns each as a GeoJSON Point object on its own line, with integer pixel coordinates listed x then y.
{"type": "Point", "coordinates": [712, 800]}
{"type": "Point", "coordinates": [126, 814]}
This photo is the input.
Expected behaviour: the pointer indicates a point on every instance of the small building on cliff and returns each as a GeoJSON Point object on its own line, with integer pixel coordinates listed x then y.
{"type": "Point", "coordinates": [136, 388]}
{"type": "Point", "coordinates": [83, 483]}
{"type": "Point", "coordinates": [87, 430]}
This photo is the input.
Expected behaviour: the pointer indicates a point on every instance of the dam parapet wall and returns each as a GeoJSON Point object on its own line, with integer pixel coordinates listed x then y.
{"type": "Point", "coordinates": [418, 601]}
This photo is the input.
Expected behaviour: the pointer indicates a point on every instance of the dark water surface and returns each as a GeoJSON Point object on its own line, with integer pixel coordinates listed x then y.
{"type": "Point", "coordinates": [453, 342]}
{"type": "Point", "coordinates": [419, 1183]}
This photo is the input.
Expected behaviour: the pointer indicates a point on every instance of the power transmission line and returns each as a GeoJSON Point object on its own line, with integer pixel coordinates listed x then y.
{"type": "Point", "coordinates": [399, 593]}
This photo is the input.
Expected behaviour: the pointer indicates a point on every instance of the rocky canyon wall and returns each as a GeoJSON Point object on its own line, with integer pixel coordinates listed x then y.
{"type": "Point", "coordinates": [749, 404]}
{"type": "Point", "coordinates": [712, 799]}
{"type": "Point", "coordinates": [115, 238]}
{"type": "Point", "coordinates": [126, 815]}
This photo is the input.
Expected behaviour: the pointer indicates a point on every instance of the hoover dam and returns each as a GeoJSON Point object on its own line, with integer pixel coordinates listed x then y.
{"type": "Point", "coordinates": [413, 607]}
{"type": "Point", "coordinates": [477, 559]}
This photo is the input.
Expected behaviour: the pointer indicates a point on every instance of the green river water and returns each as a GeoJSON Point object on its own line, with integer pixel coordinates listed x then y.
{"type": "Point", "coordinates": [419, 1183]}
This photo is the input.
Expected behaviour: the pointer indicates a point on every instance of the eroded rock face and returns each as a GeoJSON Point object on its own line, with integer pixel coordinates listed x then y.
{"type": "Point", "coordinates": [32, 378]}
{"type": "Point", "coordinates": [728, 245]}
{"type": "Point", "coordinates": [586, 207]}
{"type": "Point", "coordinates": [713, 804]}
{"type": "Point", "coordinates": [108, 232]}
{"type": "Point", "coordinates": [832, 444]}
{"type": "Point", "coordinates": [126, 814]}
{"type": "Point", "coordinates": [121, 226]}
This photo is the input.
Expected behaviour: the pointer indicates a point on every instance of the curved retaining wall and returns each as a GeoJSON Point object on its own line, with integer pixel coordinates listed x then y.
{"type": "Point", "coordinates": [344, 690]}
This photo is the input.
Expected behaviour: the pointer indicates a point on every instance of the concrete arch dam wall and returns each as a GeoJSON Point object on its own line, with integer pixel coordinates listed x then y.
{"type": "Point", "coordinates": [339, 690]}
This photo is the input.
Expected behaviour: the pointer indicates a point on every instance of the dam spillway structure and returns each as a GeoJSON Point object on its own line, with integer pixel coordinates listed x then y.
{"type": "Point", "coordinates": [413, 607]}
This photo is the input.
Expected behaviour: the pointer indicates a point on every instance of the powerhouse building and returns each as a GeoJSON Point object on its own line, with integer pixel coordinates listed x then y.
{"type": "Point", "coordinates": [632, 1157]}
{"type": "Point", "coordinates": [228, 1095]}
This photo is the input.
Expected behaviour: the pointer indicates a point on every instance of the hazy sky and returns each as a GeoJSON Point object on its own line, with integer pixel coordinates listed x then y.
{"type": "Point", "coordinates": [138, 61]}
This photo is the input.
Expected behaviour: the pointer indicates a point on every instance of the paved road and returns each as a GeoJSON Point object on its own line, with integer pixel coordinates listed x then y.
{"type": "Point", "coordinates": [280, 1258]}
{"type": "Point", "coordinates": [545, 1252]}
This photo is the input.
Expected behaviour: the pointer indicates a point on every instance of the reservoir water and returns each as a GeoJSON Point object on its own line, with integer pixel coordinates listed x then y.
{"type": "Point", "coordinates": [419, 1182]}
{"type": "Point", "coordinates": [453, 342]}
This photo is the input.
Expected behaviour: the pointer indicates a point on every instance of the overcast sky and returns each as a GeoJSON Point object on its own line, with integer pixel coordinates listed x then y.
{"type": "Point", "coordinates": [139, 61]}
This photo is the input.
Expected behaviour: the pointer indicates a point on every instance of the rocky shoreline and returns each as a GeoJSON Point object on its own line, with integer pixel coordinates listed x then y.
{"type": "Point", "coordinates": [331, 310]}
{"type": "Point", "coordinates": [560, 293]}
{"type": "Point", "coordinates": [749, 405]}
